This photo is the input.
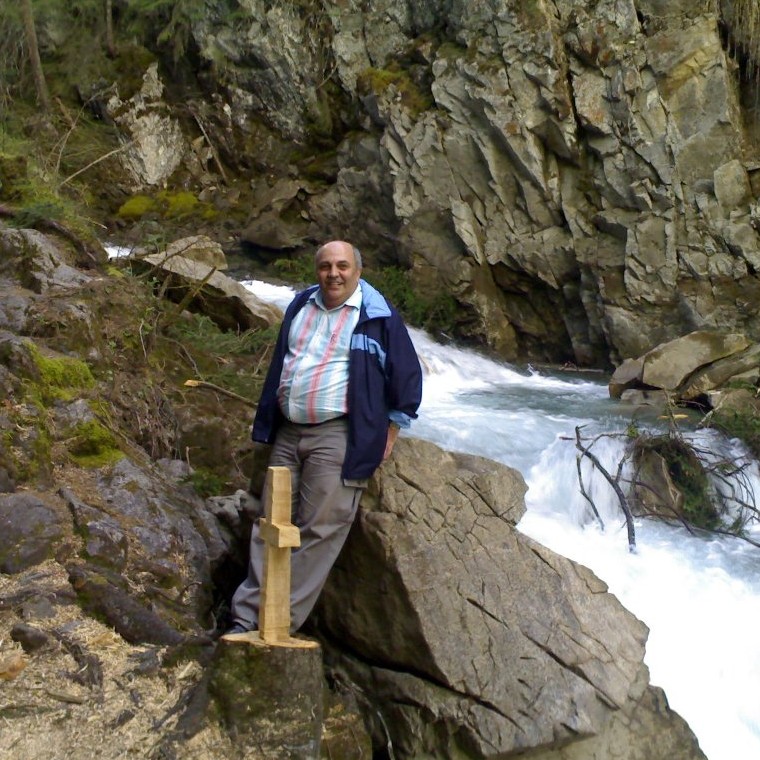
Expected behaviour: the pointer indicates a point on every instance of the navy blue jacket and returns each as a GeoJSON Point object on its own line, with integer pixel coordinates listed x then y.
{"type": "Point", "coordinates": [384, 381]}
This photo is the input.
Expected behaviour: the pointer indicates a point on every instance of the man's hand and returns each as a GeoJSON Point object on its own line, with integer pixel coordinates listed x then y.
{"type": "Point", "coordinates": [392, 436]}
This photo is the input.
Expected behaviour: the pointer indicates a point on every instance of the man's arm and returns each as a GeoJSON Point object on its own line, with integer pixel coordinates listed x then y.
{"type": "Point", "coordinates": [393, 429]}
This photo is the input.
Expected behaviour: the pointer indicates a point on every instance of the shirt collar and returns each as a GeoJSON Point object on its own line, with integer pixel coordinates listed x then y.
{"type": "Point", "coordinates": [354, 300]}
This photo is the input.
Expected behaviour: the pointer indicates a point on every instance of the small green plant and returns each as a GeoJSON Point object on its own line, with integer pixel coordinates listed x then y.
{"type": "Point", "coordinates": [200, 331]}
{"type": "Point", "coordinates": [206, 482]}
{"type": "Point", "coordinates": [231, 360]}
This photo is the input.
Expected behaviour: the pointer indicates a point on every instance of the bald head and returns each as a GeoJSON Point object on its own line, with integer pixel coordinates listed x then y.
{"type": "Point", "coordinates": [342, 244]}
{"type": "Point", "coordinates": [339, 267]}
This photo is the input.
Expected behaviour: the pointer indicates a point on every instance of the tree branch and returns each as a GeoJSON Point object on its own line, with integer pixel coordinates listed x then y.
{"type": "Point", "coordinates": [615, 487]}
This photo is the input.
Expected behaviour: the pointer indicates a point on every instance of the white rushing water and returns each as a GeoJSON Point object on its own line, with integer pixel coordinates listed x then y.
{"type": "Point", "coordinates": [699, 596]}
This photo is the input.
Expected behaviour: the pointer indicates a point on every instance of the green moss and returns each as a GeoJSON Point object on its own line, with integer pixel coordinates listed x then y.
{"type": "Point", "coordinates": [136, 207]}
{"type": "Point", "coordinates": [379, 81]}
{"type": "Point", "coordinates": [167, 204]}
{"type": "Point", "coordinates": [59, 377]}
{"type": "Point", "coordinates": [178, 205]}
{"type": "Point", "coordinates": [93, 445]}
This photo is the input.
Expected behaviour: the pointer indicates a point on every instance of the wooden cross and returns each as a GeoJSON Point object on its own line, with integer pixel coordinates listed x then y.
{"type": "Point", "coordinates": [280, 536]}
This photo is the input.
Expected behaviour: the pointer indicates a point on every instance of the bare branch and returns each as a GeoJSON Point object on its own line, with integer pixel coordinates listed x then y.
{"type": "Point", "coordinates": [96, 161]}
{"type": "Point", "coordinates": [219, 389]}
{"type": "Point", "coordinates": [615, 487]}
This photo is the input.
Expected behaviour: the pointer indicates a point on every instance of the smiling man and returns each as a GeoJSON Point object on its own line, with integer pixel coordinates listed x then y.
{"type": "Point", "coordinates": [343, 380]}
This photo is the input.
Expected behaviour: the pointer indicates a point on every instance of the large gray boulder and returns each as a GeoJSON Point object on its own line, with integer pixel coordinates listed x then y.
{"type": "Point", "coordinates": [668, 365]}
{"type": "Point", "coordinates": [472, 640]}
{"type": "Point", "coordinates": [42, 265]}
{"type": "Point", "coordinates": [153, 144]}
{"type": "Point", "coordinates": [224, 300]}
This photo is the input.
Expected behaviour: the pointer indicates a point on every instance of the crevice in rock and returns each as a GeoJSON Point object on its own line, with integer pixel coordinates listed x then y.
{"type": "Point", "coordinates": [575, 670]}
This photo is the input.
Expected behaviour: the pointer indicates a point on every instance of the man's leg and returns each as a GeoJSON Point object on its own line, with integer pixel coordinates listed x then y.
{"type": "Point", "coordinates": [322, 508]}
{"type": "Point", "coordinates": [246, 599]}
{"type": "Point", "coordinates": [324, 513]}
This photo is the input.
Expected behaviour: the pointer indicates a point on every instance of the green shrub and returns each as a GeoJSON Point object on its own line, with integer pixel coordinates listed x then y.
{"type": "Point", "coordinates": [206, 482]}
{"type": "Point", "coordinates": [688, 476]}
{"type": "Point", "coordinates": [744, 426]}
{"type": "Point", "coordinates": [430, 311]}
{"type": "Point", "coordinates": [300, 270]}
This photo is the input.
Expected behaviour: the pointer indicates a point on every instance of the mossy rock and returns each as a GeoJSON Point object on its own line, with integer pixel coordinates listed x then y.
{"type": "Point", "coordinates": [58, 377]}
{"type": "Point", "coordinates": [137, 207]}
{"type": "Point", "coordinates": [675, 481]}
{"type": "Point", "coordinates": [93, 445]}
{"type": "Point", "coordinates": [171, 205]}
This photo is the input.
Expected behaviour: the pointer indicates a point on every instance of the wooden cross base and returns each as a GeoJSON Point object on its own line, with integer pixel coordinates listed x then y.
{"type": "Point", "coordinates": [254, 639]}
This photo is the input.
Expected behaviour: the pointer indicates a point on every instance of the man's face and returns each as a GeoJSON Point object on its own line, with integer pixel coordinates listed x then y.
{"type": "Point", "coordinates": [337, 273]}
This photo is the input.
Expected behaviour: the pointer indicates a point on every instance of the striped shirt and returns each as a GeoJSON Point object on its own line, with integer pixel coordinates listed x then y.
{"type": "Point", "coordinates": [314, 380]}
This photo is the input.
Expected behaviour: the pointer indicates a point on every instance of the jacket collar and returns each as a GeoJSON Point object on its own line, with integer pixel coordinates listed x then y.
{"type": "Point", "coordinates": [373, 301]}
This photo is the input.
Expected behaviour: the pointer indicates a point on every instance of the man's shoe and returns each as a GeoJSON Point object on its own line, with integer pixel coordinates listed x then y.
{"type": "Point", "coordinates": [236, 628]}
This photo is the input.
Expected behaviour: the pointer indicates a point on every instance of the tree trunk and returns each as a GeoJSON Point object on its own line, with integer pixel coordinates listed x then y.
{"type": "Point", "coordinates": [110, 46]}
{"type": "Point", "coordinates": [30, 33]}
{"type": "Point", "coordinates": [269, 697]}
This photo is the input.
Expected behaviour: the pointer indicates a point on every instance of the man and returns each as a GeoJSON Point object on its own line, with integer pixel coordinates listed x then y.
{"type": "Point", "coordinates": [343, 380]}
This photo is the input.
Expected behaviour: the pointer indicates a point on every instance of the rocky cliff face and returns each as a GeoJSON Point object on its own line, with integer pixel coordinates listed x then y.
{"type": "Point", "coordinates": [581, 176]}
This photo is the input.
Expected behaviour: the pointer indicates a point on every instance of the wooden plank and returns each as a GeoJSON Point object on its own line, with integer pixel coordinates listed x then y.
{"type": "Point", "coordinates": [279, 536]}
